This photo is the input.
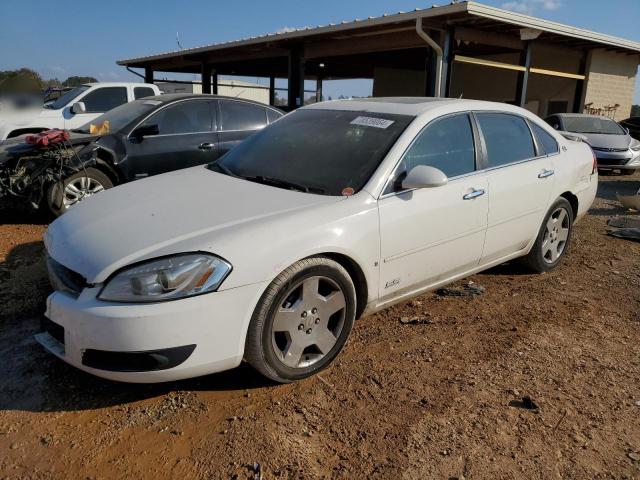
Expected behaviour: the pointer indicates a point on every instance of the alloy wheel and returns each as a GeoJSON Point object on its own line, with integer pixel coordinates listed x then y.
{"type": "Point", "coordinates": [308, 323]}
{"type": "Point", "coordinates": [555, 235]}
{"type": "Point", "coordinates": [80, 188]}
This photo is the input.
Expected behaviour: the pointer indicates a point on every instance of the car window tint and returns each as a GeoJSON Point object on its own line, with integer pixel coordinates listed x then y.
{"type": "Point", "coordinates": [241, 116]}
{"type": "Point", "coordinates": [446, 144]}
{"type": "Point", "coordinates": [183, 117]}
{"type": "Point", "coordinates": [141, 92]}
{"type": "Point", "coordinates": [507, 137]}
{"type": "Point", "coordinates": [104, 99]}
{"type": "Point", "coordinates": [272, 115]}
{"type": "Point", "coordinates": [546, 142]}
{"type": "Point", "coordinates": [554, 122]}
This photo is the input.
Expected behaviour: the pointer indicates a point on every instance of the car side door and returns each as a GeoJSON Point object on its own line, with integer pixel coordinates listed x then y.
{"type": "Point", "coordinates": [431, 234]}
{"type": "Point", "coordinates": [96, 101]}
{"type": "Point", "coordinates": [520, 177]}
{"type": "Point", "coordinates": [238, 120]}
{"type": "Point", "coordinates": [185, 138]}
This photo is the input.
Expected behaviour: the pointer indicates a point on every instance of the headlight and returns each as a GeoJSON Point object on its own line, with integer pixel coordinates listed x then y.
{"type": "Point", "coordinates": [167, 278]}
{"type": "Point", "coordinates": [636, 147]}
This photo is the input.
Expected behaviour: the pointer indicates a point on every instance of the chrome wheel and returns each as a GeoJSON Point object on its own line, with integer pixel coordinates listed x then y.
{"type": "Point", "coordinates": [307, 325]}
{"type": "Point", "coordinates": [555, 235]}
{"type": "Point", "coordinates": [80, 188]}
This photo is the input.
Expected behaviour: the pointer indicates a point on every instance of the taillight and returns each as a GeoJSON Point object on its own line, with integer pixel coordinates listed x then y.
{"type": "Point", "coordinates": [594, 169]}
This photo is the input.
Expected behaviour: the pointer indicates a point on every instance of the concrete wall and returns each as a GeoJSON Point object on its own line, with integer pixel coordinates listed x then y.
{"type": "Point", "coordinates": [611, 79]}
{"type": "Point", "coordinates": [230, 88]}
{"type": "Point", "coordinates": [395, 82]}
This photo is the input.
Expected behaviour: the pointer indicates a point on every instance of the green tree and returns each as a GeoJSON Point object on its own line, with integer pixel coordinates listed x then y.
{"type": "Point", "coordinates": [75, 81]}
{"type": "Point", "coordinates": [635, 110]}
{"type": "Point", "coordinates": [23, 80]}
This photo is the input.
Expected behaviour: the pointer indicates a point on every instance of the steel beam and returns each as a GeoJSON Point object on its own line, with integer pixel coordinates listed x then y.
{"type": "Point", "coordinates": [148, 75]}
{"type": "Point", "coordinates": [523, 76]}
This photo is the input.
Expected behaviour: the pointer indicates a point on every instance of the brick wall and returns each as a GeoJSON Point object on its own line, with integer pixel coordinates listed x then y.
{"type": "Point", "coordinates": [611, 79]}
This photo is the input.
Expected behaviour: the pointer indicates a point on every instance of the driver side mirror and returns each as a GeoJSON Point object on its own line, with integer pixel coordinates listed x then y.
{"type": "Point", "coordinates": [423, 176]}
{"type": "Point", "coordinates": [145, 131]}
{"type": "Point", "coordinates": [78, 107]}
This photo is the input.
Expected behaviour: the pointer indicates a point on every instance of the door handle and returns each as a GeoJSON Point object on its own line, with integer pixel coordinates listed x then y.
{"type": "Point", "coordinates": [206, 146]}
{"type": "Point", "coordinates": [545, 173]}
{"type": "Point", "coordinates": [474, 194]}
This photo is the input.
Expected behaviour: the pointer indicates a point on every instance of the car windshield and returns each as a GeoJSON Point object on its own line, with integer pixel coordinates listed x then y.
{"type": "Point", "coordinates": [331, 152]}
{"type": "Point", "coordinates": [66, 98]}
{"type": "Point", "coordinates": [592, 125]}
{"type": "Point", "coordinates": [121, 116]}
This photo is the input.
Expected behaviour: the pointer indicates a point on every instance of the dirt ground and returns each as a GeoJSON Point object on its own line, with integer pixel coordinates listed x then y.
{"type": "Point", "coordinates": [438, 399]}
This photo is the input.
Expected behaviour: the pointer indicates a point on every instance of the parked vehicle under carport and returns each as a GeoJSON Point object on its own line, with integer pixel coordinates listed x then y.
{"type": "Point", "coordinates": [135, 140]}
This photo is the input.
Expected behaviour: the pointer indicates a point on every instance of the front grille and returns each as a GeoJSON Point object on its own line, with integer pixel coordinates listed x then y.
{"type": "Point", "coordinates": [612, 161]}
{"type": "Point", "coordinates": [52, 328]}
{"type": "Point", "coordinates": [64, 279]}
{"type": "Point", "coordinates": [601, 149]}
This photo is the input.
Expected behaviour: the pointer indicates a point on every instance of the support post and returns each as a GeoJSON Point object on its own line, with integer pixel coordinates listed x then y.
{"type": "Point", "coordinates": [148, 75]}
{"type": "Point", "coordinates": [272, 91]}
{"type": "Point", "coordinates": [214, 82]}
{"type": "Point", "coordinates": [295, 88]}
{"type": "Point", "coordinates": [319, 89]}
{"type": "Point", "coordinates": [447, 61]}
{"type": "Point", "coordinates": [206, 78]}
{"type": "Point", "coordinates": [578, 98]}
{"type": "Point", "coordinates": [523, 77]}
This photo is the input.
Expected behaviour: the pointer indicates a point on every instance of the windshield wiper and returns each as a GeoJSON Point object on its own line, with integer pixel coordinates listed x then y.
{"type": "Point", "coordinates": [277, 182]}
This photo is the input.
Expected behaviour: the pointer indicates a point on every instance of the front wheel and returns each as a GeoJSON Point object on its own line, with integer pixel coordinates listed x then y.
{"type": "Point", "coordinates": [302, 321]}
{"type": "Point", "coordinates": [65, 194]}
{"type": "Point", "coordinates": [553, 238]}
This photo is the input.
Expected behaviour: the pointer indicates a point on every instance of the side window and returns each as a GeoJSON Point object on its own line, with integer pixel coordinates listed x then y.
{"type": "Point", "coordinates": [446, 144]}
{"type": "Point", "coordinates": [507, 137]}
{"type": "Point", "coordinates": [104, 99]}
{"type": "Point", "coordinates": [241, 116]}
{"type": "Point", "coordinates": [272, 115]}
{"type": "Point", "coordinates": [546, 142]}
{"type": "Point", "coordinates": [141, 92]}
{"type": "Point", "coordinates": [183, 117]}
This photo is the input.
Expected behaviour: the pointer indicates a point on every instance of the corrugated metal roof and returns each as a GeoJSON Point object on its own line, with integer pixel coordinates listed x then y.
{"type": "Point", "coordinates": [471, 8]}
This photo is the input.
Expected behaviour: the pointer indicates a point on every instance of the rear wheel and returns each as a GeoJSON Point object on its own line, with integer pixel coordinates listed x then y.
{"type": "Point", "coordinates": [302, 320]}
{"type": "Point", "coordinates": [553, 238]}
{"type": "Point", "coordinates": [83, 184]}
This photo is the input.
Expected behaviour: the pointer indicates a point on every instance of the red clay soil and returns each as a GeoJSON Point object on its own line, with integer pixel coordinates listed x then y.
{"type": "Point", "coordinates": [441, 397]}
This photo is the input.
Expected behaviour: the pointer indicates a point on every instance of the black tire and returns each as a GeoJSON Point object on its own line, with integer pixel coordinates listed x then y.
{"type": "Point", "coordinates": [55, 193]}
{"type": "Point", "coordinates": [260, 348]}
{"type": "Point", "coordinates": [535, 259]}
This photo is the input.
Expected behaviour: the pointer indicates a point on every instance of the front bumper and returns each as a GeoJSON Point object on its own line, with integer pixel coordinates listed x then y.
{"type": "Point", "coordinates": [216, 323]}
{"type": "Point", "coordinates": [628, 160]}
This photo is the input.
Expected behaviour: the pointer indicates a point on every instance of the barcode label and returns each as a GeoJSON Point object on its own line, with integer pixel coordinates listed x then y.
{"type": "Point", "coordinates": [372, 122]}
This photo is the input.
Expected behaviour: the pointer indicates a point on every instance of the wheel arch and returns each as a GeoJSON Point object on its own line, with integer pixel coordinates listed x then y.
{"type": "Point", "coordinates": [104, 163]}
{"type": "Point", "coordinates": [573, 201]}
{"type": "Point", "coordinates": [357, 276]}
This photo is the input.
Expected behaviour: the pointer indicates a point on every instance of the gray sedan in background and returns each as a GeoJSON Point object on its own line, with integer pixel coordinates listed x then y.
{"type": "Point", "coordinates": [614, 148]}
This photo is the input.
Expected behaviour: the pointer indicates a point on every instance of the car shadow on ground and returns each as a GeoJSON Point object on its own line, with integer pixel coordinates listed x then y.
{"type": "Point", "coordinates": [32, 379]}
{"type": "Point", "coordinates": [15, 211]}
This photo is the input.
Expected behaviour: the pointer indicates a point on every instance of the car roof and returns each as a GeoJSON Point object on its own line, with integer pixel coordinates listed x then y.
{"type": "Point", "coordinates": [172, 97]}
{"type": "Point", "coordinates": [412, 105]}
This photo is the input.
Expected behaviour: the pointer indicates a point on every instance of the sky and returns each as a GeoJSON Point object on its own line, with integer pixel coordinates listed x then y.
{"type": "Point", "coordinates": [64, 38]}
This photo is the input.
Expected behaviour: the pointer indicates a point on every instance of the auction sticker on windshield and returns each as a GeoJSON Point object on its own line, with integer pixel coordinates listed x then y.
{"type": "Point", "coordinates": [372, 122]}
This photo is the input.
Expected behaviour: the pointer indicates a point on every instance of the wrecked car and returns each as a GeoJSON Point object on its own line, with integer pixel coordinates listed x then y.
{"type": "Point", "coordinates": [135, 140]}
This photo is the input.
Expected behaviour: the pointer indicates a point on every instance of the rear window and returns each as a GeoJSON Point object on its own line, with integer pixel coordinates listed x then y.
{"type": "Point", "coordinates": [507, 137]}
{"type": "Point", "coordinates": [141, 92]}
{"type": "Point", "coordinates": [241, 116]}
{"type": "Point", "coordinates": [546, 142]}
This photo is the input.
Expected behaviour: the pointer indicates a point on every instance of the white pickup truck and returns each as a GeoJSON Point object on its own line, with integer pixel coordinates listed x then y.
{"type": "Point", "coordinates": [75, 108]}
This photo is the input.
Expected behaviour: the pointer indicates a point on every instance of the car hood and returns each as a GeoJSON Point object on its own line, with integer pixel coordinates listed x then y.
{"type": "Point", "coordinates": [599, 140]}
{"type": "Point", "coordinates": [26, 116]}
{"type": "Point", "coordinates": [18, 147]}
{"type": "Point", "coordinates": [162, 215]}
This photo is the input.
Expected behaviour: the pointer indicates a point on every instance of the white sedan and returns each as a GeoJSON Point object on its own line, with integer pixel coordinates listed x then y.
{"type": "Point", "coordinates": [336, 211]}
